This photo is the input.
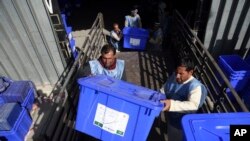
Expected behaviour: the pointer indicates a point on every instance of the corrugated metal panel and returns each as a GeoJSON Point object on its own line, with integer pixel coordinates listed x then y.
{"type": "Point", "coordinates": [28, 48]}
{"type": "Point", "coordinates": [227, 26]}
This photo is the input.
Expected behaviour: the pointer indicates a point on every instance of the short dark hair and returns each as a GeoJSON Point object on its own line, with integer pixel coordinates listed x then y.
{"type": "Point", "coordinates": [107, 48]}
{"type": "Point", "coordinates": [185, 62]}
{"type": "Point", "coordinates": [114, 24]}
{"type": "Point", "coordinates": [133, 8]}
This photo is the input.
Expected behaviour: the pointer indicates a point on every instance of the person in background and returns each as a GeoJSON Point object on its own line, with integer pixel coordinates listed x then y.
{"type": "Point", "coordinates": [161, 11]}
{"type": "Point", "coordinates": [185, 94]}
{"type": "Point", "coordinates": [106, 64]}
{"type": "Point", "coordinates": [116, 36]}
{"type": "Point", "coordinates": [156, 37]}
{"type": "Point", "coordinates": [134, 19]}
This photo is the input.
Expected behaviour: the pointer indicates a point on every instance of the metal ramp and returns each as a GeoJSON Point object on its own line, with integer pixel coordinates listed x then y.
{"type": "Point", "coordinates": [149, 69]}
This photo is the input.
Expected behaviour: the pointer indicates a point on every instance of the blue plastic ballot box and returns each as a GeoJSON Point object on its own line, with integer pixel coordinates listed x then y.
{"type": "Point", "coordinates": [114, 110]}
{"type": "Point", "coordinates": [22, 92]}
{"type": "Point", "coordinates": [135, 38]}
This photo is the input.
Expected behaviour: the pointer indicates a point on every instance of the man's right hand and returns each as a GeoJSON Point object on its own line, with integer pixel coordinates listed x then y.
{"type": "Point", "coordinates": [167, 104]}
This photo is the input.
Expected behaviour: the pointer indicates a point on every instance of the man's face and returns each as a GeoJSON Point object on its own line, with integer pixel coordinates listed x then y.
{"type": "Point", "coordinates": [182, 74]}
{"type": "Point", "coordinates": [156, 27]}
{"type": "Point", "coordinates": [134, 12]}
{"type": "Point", "coordinates": [108, 59]}
{"type": "Point", "coordinates": [116, 27]}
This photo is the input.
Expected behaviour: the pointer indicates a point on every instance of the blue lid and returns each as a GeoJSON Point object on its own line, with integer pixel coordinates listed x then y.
{"type": "Point", "coordinates": [125, 90]}
{"type": "Point", "coordinates": [212, 127]}
{"type": "Point", "coordinates": [18, 88]}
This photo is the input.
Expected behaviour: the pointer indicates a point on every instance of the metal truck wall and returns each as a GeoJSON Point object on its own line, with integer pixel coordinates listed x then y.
{"type": "Point", "coordinates": [28, 48]}
{"type": "Point", "coordinates": [228, 29]}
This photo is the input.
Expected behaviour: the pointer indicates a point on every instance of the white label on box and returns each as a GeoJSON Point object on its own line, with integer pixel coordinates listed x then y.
{"type": "Point", "coordinates": [134, 42]}
{"type": "Point", "coordinates": [111, 120]}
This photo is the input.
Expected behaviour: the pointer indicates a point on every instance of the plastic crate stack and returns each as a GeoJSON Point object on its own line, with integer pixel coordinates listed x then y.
{"type": "Point", "coordinates": [16, 103]}
{"type": "Point", "coordinates": [236, 70]}
{"type": "Point", "coordinates": [72, 43]}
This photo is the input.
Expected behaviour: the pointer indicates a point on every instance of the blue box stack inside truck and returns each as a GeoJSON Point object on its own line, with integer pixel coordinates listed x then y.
{"type": "Point", "coordinates": [72, 43]}
{"type": "Point", "coordinates": [16, 103]}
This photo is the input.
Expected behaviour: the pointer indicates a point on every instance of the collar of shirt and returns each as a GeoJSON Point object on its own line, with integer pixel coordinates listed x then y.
{"type": "Point", "coordinates": [189, 79]}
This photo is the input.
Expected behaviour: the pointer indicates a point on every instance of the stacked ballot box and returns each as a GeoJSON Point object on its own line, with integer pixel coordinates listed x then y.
{"type": "Point", "coordinates": [22, 92]}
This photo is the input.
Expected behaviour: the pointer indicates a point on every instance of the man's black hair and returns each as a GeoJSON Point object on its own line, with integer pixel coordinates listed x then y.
{"type": "Point", "coordinates": [107, 48]}
{"type": "Point", "coordinates": [186, 62]}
